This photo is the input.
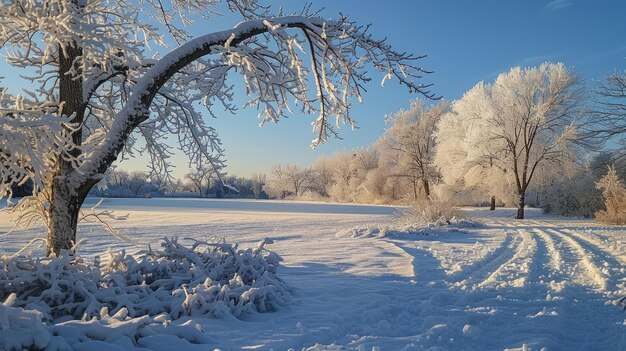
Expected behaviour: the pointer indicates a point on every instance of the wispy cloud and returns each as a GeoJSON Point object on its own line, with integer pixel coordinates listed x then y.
{"type": "Point", "coordinates": [555, 5]}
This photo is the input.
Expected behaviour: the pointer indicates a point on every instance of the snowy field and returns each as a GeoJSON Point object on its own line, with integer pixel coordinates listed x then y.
{"type": "Point", "coordinates": [544, 283]}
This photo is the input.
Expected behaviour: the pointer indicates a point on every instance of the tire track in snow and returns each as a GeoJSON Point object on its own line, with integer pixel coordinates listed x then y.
{"type": "Point", "coordinates": [603, 265]}
{"type": "Point", "coordinates": [479, 271]}
{"type": "Point", "coordinates": [554, 253]}
{"type": "Point", "coordinates": [516, 271]}
{"type": "Point", "coordinates": [595, 277]}
{"type": "Point", "coordinates": [557, 273]}
{"type": "Point", "coordinates": [599, 247]}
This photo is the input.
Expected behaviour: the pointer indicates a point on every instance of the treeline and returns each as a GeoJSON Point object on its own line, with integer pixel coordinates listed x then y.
{"type": "Point", "coordinates": [202, 182]}
{"type": "Point", "coordinates": [532, 137]}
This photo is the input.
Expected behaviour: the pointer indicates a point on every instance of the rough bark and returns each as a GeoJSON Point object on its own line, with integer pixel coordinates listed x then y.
{"type": "Point", "coordinates": [520, 207]}
{"type": "Point", "coordinates": [65, 201]}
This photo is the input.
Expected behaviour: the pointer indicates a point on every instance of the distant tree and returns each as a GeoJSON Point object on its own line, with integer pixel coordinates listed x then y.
{"type": "Point", "coordinates": [412, 137]}
{"type": "Point", "coordinates": [98, 87]}
{"type": "Point", "coordinates": [614, 193]}
{"type": "Point", "coordinates": [323, 174]}
{"type": "Point", "coordinates": [288, 180]}
{"type": "Point", "coordinates": [173, 186]}
{"type": "Point", "coordinates": [339, 163]}
{"type": "Point", "coordinates": [117, 178]}
{"type": "Point", "coordinates": [137, 182]}
{"type": "Point", "coordinates": [610, 111]}
{"type": "Point", "coordinates": [469, 177]}
{"type": "Point", "coordinates": [524, 124]}
{"type": "Point", "coordinates": [201, 178]}
{"type": "Point", "coordinates": [258, 182]}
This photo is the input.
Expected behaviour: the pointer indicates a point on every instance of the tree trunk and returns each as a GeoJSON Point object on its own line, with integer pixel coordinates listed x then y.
{"type": "Point", "coordinates": [62, 217]}
{"type": "Point", "coordinates": [493, 203]}
{"type": "Point", "coordinates": [426, 188]}
{"type": "Point", "coordinates": [520, 207]}
{"type": "Point", "coordinates": [65, 200]}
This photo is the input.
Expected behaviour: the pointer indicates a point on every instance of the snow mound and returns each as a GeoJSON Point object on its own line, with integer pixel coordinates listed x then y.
{"type": "Point", "coordinates": [127, 299]}
{"type": "Point", "coordinates": [404, 230]}
{"type": "Point", "coordinates": [22, 329]}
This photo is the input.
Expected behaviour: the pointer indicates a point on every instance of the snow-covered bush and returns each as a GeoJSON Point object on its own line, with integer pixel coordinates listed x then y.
{"type": "Point", "coordinates": [208, 278]}
{"type": "Point", "coordinates": [572, 197]}
{"type": "Point", "coordinates": [21, 329]}
{"type": "Point", "coordinates": [404, 229]}
{"type": "Point", "coordinates": [429, 212]}
{"type": "Point", "coordinates": [614, 193]}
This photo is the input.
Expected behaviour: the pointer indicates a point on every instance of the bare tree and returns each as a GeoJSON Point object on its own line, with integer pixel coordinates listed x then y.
{"type": "Point", "coordinates": [609, 116]}
{"type": "Point", "coordinates": [411, 137]}
{"type": "Point", "coordinates": [136, 182]}
{"type": "Point", "coordinates": [173, 186]}
{"type": "Point", "coordinates": [97, 93]}
{"type": "Point", "coordinates": [201, 178]}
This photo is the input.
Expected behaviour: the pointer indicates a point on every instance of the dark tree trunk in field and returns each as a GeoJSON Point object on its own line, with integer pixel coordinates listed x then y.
{"type": "Point", "coordinates": [493, 203]}
{"type": "Point", "coordinates": [426, 188]}
{"type": "Point", "coordinates": [65, 200]}
{"type": "Point", "coordinates": [520, 207]}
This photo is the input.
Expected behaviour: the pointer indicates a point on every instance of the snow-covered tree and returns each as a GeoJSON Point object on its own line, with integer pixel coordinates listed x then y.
{"type": "Point", "coordinates": [522, 126]}
{"type": "Point", "coordinates": [201, 178]}
{"type": "Point", "coordinates": [94, 92]}
{"type": "Point", "coordinates": [173, 186]}
{"type": "Point", "coordinates": [339, 163]}
{"type": "Point", "coordinates": [614, 193]}
{"type": "Point", "coordinates": [257, 183]}
{"type": "Point", "coordinates": [411, 140]}
{"type": "Point", "coordinates": [290, 180]}
{"type": "Point", "coordinates": [467, 177]}
{"type": "Point", "coordinates": [324, 175]}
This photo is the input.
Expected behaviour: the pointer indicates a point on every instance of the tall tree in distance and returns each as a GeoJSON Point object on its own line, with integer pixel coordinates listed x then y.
{"type": "Point", "coordinates": [411, 137]}
{"type": "Point", "coordinates": [610, 113]}
{"type": "Point", "coordinates": [521, 128]}
{"type": "Point", "coordinates": [95, 93]}
{"type": "Point", "coordinates": [201, 178]}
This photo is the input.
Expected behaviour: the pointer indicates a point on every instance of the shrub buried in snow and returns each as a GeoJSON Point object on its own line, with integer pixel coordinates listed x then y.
{"type": "Point", "coordinates": [208, 278]}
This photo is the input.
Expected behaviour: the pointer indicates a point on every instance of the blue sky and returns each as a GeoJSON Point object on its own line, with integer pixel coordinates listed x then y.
{"type": "Point", "coordinates": [466, 42]}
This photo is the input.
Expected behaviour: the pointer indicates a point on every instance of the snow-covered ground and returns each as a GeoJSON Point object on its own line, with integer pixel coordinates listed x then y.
{"type": "Point", "coordinates": [540, 283]}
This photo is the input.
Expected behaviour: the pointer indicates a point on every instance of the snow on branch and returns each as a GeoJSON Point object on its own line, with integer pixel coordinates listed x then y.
{"type": "Point", "coordinates": [268, 54]}
{"type": "Point", "coordinates": [31, 139]}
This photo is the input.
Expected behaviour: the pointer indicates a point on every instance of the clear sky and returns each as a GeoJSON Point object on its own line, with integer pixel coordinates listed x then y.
{"type": "Point", "coordinates": [466, 42]}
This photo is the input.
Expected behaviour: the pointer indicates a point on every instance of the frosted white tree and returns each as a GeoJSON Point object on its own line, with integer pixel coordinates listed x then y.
{"type": "Point", "coordinates": [614, 193]}
{"type": "Point", "coordinates": [94, 92]}
{"type": "Point", "coordinates": [290, 180]}
{"type": "Point", "coordinates": [411, 139]}
{"type": "Point", "coordinates": [200, 178]}
{"type": "Point", "coordinates": [522, 126]}
{"type": "Point", "coordinates": [468, 177]}
{"type": "Point", "coordinates": [257, 183]}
